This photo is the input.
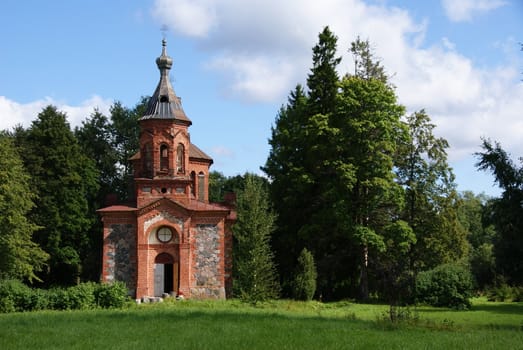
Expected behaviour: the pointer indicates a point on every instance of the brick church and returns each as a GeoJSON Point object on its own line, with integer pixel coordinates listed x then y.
{"type": "Point", "coordinates": [172, 239]}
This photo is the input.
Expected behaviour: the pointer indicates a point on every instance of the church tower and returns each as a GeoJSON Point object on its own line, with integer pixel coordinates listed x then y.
{"type": "Point", "coordinates": [173, 240]}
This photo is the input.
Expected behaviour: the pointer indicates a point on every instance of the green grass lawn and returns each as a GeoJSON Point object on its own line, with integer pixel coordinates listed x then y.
{"type": "Point", "coordinates": [274, 325]}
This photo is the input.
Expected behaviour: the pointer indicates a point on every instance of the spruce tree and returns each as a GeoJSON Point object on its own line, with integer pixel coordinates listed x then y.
{"type": "Point", "coordinates": [323, 79]}
{"type": "Point", "coordinates": [255, 277]}
{"type": "Point", "coordinates": [506, 211]}
{"type": "Point", "coordinates": [300, 165]}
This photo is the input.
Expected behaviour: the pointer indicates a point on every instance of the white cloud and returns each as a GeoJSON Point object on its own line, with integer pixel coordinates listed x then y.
{"type": "Point", "coordinates": [190, 17]}
{"type": "Point", "coordinates": [261, 49]}
{"type": "Point", "coordinates": [255, 78]}
{"type": "Point", "coordinates": [13, 113]}
{"type": "Point", "coordinates": [464, 10]}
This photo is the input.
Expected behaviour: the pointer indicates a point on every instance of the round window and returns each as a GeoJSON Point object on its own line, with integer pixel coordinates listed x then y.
{"type": "Point", "coordinates": [164, 234]}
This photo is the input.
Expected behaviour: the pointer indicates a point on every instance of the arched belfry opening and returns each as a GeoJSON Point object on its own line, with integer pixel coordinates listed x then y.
{"type": "Point", "coordinates": [180, 159]}
{"type": "Point", "coordinates": [164, 157]}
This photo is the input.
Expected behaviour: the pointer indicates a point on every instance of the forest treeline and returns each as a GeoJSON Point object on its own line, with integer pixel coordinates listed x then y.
{"type": "Point", "coordinates": [357, 198]}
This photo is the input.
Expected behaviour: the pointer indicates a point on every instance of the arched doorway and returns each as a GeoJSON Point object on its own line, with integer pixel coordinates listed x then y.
{"type": "Point", "coordinates": [166, 274]}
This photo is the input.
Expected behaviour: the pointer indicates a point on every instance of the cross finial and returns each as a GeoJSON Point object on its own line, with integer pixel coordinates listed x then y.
{"type": "Point", "coordinates": [164, 29]}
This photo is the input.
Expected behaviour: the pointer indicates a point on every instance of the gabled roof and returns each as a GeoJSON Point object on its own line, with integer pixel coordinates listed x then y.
{"type": "Point", "coordinates": [191, 205]}
{"type": "Point", "coordinates": [117, 208]}
{"type": "Point", "coordinates": [195, 152]}
{"type": "Point", "coordinates": [164, 104]}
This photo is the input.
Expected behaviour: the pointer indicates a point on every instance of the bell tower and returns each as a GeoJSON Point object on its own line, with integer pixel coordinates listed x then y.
{"type": "Point", "coordinates": [173, 241]}
{"type": "Point", "coordinates": [168, 165]}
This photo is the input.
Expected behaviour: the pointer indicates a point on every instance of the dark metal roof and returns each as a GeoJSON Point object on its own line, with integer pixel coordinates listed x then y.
{"type": "Point", "coordinates": [164, 104]}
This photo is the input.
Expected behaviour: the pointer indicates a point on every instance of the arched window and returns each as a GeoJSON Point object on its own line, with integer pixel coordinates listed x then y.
{"type": "Point", "coordinates": [164, 157]}
{"type": "Point", "coordinates": [201, 186]}
{"type": "Point", "coordinates": [180, 158]}
{"type": "Point", "coordinates": [147, 159]}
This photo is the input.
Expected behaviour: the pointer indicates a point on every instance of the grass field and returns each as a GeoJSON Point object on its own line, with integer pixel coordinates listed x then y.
{"type": "Point", "coordinates": [273, 325]}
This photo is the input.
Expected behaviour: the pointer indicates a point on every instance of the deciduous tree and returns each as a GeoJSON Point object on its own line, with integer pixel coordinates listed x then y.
{"type": "Point", "coordinates": [431, 198]}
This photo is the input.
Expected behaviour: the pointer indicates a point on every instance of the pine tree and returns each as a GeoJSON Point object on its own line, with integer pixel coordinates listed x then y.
{"type": "Point", "coordinates": [20, 257]}
{"type": "Point", "coordinates": [255, 277]}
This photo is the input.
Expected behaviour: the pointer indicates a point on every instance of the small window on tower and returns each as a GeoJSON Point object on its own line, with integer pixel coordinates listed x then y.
{"type": "Point", "coordinates": [163, 99]}
{"type": "Point", "coordinates": [147, 160]}
{"type": "Point", "coordinates": [164, 157]}
{"type": "Point", "coordinates": [180, 157]}
{"type": "Point", "coordinates": [201, 186]}
{"type": "Point", "coordinates": [193, 183]}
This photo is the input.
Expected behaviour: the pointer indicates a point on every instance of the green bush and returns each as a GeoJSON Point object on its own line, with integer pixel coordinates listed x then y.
{"type": "Point", "coordinates": [518, 294]}
{"type": "Point", "coordinates": [447, 285]}
{"type": "Point", "coordinates": [81, 296]}
{"type": "Point", "coordinates": [504, 292]}
{"type": "Point", "coordinates": [15, 296]}
{"type": "Point", "coordinates": [304, 285]}
{"type": "Point", "coordinates": [38, 299]}
{"type": "Point", "coordinates": [111, 295]}
{"type": "Point", "coordinates": [58, 299]}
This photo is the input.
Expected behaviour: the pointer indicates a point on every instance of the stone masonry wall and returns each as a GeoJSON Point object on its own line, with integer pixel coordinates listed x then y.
{"type": "Point", "coordinates": [121, 255]}
{"type": "Point", "coordinates": [207, 263]}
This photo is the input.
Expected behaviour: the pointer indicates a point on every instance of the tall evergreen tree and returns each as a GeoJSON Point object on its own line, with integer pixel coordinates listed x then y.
{"type": "Point", "coordinates": [255, 276]}
{"type": "Point", "coordinates": [331, 166]}
{"type": "Point", "coordinates": [299, 164]}
{"type": "Point", "coordinates": [63, 178]}
{"type": "Point", "coordinates": [507, 212]}
{"type": "Point", "coordinates": [20, 257]}
{"type": "Point", "coordinates": [287, 171]}
{"type": "Point", "coordinates": [323, 78]}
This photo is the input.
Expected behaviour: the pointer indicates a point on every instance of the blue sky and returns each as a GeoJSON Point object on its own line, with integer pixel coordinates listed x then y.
{"type": "Point", "coordinates": [235, 62]}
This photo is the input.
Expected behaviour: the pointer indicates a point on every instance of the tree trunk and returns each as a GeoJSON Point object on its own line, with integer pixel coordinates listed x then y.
{"type": "Point", "coordinates": [364, 279]}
